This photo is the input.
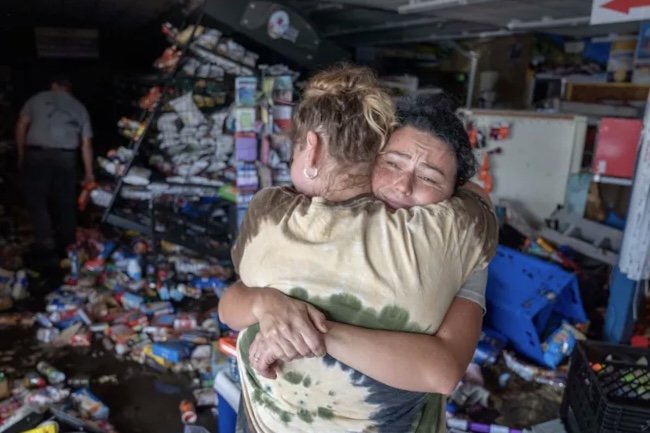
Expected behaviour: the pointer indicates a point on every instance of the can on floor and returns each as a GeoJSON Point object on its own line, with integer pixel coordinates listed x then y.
{"type": "Point", "coordinates": [188, 413]}
{"type": "Point", "coordinates": [47, 335]}
{"type": "Point", "coordinates": [53, 375]}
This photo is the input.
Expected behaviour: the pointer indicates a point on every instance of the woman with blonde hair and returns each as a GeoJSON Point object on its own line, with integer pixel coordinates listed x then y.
{"type": "Point", "coordinates": [331, 244]}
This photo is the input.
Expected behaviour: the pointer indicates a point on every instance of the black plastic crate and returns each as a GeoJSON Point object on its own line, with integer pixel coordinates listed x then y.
{"type": "Point", "coordinates": [608, 389]}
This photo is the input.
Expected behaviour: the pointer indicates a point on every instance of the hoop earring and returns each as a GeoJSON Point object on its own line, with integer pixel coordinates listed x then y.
{"type": "Point", "coordinates": [310, 174]}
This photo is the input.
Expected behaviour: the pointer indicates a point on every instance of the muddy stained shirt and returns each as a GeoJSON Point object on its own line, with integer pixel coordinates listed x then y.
{"type": "Point", "coordinates": [362, 265]}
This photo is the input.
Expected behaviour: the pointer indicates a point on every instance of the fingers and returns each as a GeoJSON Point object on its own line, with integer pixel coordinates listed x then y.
{"type": "Point", "coordinates": [287, 338]}
{"type": "Point", "coordinates": [289, 350]}
{"type": "Point", "coordinates": [298, 331]}
{"type": "Point", "coordinates": [254, 350]}
{"type": "Point", "coordinates": [317, 318]}
{"type": "Point", "coordinates": [299, 342]}
{"type": "Point", "coordinates": [264, 358]}
{"type": "Point", "coordinates": [315, 342]}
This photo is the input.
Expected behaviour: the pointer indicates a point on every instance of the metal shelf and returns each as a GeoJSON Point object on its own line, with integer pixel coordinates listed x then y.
{"type": "Point", "coordinates": [190, 242]}
{"type": "Point", "coordinates": [200, 245]}
{"type": "Point", "coordinates": [611, 180]}
{"type": "Point", "coordinates": [127, 224]}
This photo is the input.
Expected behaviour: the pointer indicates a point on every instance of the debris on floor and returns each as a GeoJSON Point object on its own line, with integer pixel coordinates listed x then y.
{"type": "Point", "coordinates": [119, 300]}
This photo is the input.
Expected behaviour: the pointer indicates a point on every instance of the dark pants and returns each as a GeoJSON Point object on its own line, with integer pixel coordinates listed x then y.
{"type": "Point", "coordinates": [51, 173]}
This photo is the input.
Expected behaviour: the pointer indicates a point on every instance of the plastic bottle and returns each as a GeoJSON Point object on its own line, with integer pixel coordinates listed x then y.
{"type": "Point", "coordinates": [73, 255]}
{"type": "Point", "coordinates": [134, 270]}
{"type": "Point", "coordinates": [53, 375]}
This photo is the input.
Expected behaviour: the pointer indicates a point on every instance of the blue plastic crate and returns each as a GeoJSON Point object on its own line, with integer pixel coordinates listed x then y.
{"type": "Point", "coordinates": [526, 295]}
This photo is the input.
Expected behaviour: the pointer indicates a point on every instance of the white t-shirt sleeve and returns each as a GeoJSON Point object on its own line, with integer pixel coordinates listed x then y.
{"type": "Point", "coordinates": [474, 288]}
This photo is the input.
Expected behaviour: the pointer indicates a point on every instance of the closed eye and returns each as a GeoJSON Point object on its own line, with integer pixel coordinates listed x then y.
{"type": "Point", "coordinates": [392, 164]}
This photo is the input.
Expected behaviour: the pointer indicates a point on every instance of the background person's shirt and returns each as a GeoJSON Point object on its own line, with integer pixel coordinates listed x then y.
{"type": "Point", "coordinates": [57, 120]}
{"type": "Point", "coordinates": [362, 265]}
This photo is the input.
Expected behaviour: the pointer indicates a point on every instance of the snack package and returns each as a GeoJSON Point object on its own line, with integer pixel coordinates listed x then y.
{"type": "Point", "coordinates": [90, 405]}
{"type": "Point", "coordinates": [560, 344]}
{"type": "Point", "coordinates": [187, 110]}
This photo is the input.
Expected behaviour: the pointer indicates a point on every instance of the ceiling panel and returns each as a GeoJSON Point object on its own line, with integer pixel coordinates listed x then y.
{"type": "Point", "coordinates": [416, 34]}
{"type": "Point", "coordinates": [347, 22]}
{"type": "Point", "coordinates": [501, 12]}
{"type": "Point", "coordinates": [601, 30]}
{"type": "Point", "coordinates": [352, 22]}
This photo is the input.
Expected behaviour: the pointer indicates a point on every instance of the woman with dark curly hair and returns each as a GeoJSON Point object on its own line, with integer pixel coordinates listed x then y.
{"type": "Point", "coordinates": [371, 289]}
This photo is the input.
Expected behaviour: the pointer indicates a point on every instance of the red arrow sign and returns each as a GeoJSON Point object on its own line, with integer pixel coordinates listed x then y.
{"type": "Point", "coordinates": [624, 6]}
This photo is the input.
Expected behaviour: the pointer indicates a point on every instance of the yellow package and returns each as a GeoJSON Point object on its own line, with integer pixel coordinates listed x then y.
{"type": "Point", "coordinates": [50, 427]}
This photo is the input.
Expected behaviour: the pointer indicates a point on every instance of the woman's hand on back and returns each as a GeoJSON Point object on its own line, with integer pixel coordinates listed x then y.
{"type": "Point", "coordinates": [295, 327]}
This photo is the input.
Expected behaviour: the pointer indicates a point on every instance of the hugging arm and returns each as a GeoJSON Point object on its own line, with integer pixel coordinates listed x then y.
{"type": "Point", "coordinates": [295, 326]}
{"type": "Point", "coordinates": [413, 362]}
{"type": "Point", "coordinates": [404, 360]}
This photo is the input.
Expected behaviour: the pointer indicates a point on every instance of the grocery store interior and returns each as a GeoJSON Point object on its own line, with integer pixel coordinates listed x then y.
{"type": "Point", "coordinates": [135, 134]}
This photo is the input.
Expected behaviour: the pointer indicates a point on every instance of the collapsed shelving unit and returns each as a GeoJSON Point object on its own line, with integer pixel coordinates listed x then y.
{"type": "Point", "coordinates": [205, 142]}
{"type": "Point", "coordinates": [527, 297]}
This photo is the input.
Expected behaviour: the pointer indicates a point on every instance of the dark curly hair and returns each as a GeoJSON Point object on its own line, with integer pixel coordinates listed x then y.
{"type": "Point", "coordinates": [436, 115]}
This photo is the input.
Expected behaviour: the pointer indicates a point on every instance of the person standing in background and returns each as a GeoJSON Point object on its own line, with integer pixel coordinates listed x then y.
{"type": "Point", "coordinates": [52, 126]}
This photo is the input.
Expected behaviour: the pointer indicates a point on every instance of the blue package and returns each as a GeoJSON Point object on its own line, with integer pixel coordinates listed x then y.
{"type": "Point", "coordinates": [164, 320]}
{"type": "Point", "coordinates": [66, 323]}
{"type": "Point", "coordinates": [489, 347]}
{"type": "Point", "coordinates": [107, 250]}
{"type": "Point", "coordinates": [130, 300]}
{"type": "Point", "coordinates": [89, 404]}
{"type": "Point", "coordinates": [157, 308]}
{"type": "Point", "coordinates": [163, 293]}
{"type": "Point", "coordinates": [559, 345]}
{"type": "Point", "coordinates": [205, 283]}
{"type": "Point", "coordinates": [176, 295]}
{"type": "Point", "coordinates": [245, 91]}
{"type": "Point", "coordinates": [172, 351]}
{"type": "Point", "coordinates": [63, 303]}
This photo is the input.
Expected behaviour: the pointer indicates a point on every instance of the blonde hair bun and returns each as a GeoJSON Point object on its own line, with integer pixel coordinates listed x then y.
{"type": "Point", "coordinates": [347, 105]}
{"type": "Point", "coordinates": [341, 80]}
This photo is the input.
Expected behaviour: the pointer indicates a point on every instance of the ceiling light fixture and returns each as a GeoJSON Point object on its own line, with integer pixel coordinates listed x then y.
{"type": "Point", "coordinates": [416, 6]}
{"type": "Point", "coordinates": [548, 22]}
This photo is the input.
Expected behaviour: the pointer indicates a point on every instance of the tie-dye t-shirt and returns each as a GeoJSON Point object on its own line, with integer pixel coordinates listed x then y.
{"type": "Point", "coordinates": [363, 265]}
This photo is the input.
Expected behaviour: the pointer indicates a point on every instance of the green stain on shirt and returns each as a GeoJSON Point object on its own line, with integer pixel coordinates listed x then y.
{"type": "Point", "coordinates": [341, 307]}
{"type": "Point", "coordinates": [306, 416]}
{"type": "Point", "coordinates": [285, 417]}
{"type": "Point", "coordinates": [347, 308]}
{"type": "Point", "coordinates": [262, 399]}
{"type": "Point", "coordinates": [325, 413]}
{"type": "Point", "coordinates": [299, 293]}
{"type": "Point", "coordinates": [293, 377]}
{"type": "Point", "coordinates": [396, 316]}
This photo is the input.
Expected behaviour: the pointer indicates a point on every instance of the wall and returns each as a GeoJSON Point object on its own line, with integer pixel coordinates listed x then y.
{"type": "Point", "coordinates": [535, 162]}
{"type": "Point", "coordinates": [509, 56]}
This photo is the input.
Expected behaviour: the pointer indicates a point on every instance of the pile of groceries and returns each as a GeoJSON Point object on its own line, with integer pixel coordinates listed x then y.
{"type": "Point", "coordinates": [119, 298]}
